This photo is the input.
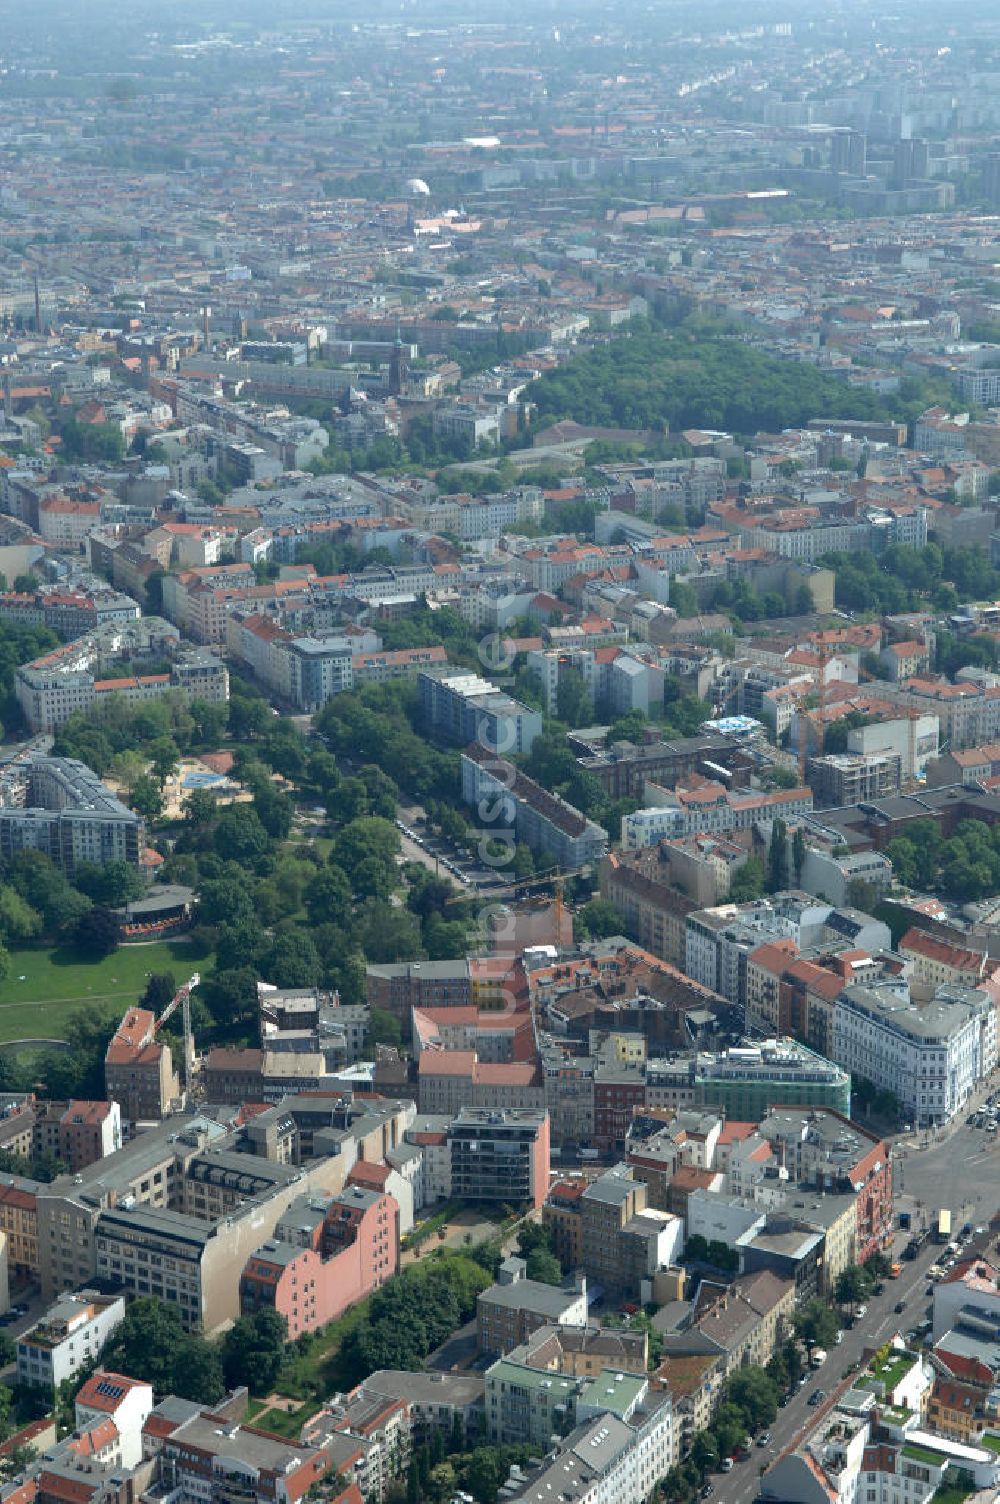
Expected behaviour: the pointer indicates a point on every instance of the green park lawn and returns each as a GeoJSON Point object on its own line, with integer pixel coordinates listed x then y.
{"type": "Point", "coordinates": [57, 982]}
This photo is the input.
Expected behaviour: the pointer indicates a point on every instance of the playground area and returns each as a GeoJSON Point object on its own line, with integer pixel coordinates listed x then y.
{"type": "Point", "coordinates": [193, 774]}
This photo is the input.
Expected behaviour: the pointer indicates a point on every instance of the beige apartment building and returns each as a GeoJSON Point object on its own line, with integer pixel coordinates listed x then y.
{"type": "Point", "coordinates": [176, 1213]}
{"type": "Point", "coordinates": [19, 1223]}
{"type": "Point", "coordinates": [139, 1071]}
{"type": "Point", "coordinates": [608, 1203]}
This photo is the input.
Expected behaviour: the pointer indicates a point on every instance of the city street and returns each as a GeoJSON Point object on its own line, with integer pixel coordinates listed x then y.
{"type": "Point", "coordinates": [959, 1169]}
{"type": "Point", "coordinates": [435, 851]}
{"type": "Point", "coordinates": [879, 1324]}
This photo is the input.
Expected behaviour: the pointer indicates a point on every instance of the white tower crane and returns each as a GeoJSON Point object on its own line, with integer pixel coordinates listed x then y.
{"type": "Point", "coordinates": [182, 999]}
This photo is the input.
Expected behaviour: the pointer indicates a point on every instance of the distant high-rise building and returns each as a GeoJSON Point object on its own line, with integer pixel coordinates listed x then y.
{"type": "Point", "coordinates": [910, 162]}
{"type": "Point", "coordinates": [398, 366]}
{"type": "Point", "coordinates": [991, 177]}
{"type": "Point", "coordinates": [849, 152]}
{"type": "Point", "coordinates": [901, 158]}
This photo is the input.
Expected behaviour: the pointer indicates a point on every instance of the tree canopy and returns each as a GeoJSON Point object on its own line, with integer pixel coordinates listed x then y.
{"type": "Point", "coordinates": [682, 380]}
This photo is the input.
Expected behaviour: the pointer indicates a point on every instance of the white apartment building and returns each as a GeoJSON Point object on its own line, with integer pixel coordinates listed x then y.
{"type": "Point", "coordinates": [913, 738]}
{"type": "Point", "coordinates": [119, 1398]}
{"type": "Point", "coordinates": [931, 1057]}
{"type": "Point", "coordinates": [626, 681]}
{"type": "Point", "coordinates": [53, 687]}
{"type": "Point", "coordinates": [429, 1134]}
{"type": "Point", "coordinates": [829, 1466]}
{"type": "Point", "coordinates": [608, 1460]}
{"type": "Point", "coordinates": [68, 1337]}
{"type": "Point", "coordinates": [707, 808]}
{"type": "Point", "coordinates": [466, 423]}
{"type": "Point", "coordinates": [822, 872]}
{"type": "Point", "coordinates": [719, 941]}
{"type": "Point", "coordinates": [861, 1452]}
{"type": "Point", "coordinates": [968, 715]}
{"type": "Point", "coordinates": [938, 432]}
{"type": "Point", "coordinates": [474, 517]}
{"type": "Point", "coordinates": [66, 524]}
{"type": "Point", "coordinates": [974, 1284]}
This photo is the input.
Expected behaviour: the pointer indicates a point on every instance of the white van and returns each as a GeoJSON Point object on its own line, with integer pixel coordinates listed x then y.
{"type": "Point", "coordinates": [817, 1357]}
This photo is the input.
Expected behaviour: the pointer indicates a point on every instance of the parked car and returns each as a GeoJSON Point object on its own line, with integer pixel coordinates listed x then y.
{"type": "Point", "coordinates": [817, 1397]}
{"type": "Point", "coordinates": [764, 1439]}
{"type": "Point", "coordinates": [726, 1465]}
{"type": "Point", "coordinates": [899, 1307]}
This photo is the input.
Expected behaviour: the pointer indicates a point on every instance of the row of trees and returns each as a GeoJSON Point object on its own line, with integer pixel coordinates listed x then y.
{"type": "Point", "coordinates": [375, 725]}
{"type": "Point", "coordinates": [18, 644]}
{"type": "Point", "coordinates": [711, 1251]}
{"type": "Point", "coordinates": [747, 606]}
{"type": "Point", "coordinates": [251, 908]}
{"type": "Point", "coordinates": [903, 578]}
{"type": "Point", "coordinates": [965, 867]}
{"type": "Point", "coordinates": [151, 1344]}
{"type": "Point", "coordinates": [551, 761]}
{"type": "Point", "coordinates": [413, 1313]}
{"type": "Point", "coordinates": [439, 1469]}
{"type": "Point", "coordinates": [749, 1401]}
{"type": "Point", "coordinates": [156, 733]}
{"type": "Point", "coordinates": [38, 903]}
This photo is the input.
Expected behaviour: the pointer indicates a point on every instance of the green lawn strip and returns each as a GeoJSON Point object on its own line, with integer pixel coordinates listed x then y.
{"type": "Point", "coordinates": [58, 981]}
{"type": "Point", "coordinates": [287, 1423]}
{"type": "Point", "coordinates": [918, 1453]}
{"type": "Point", "coordinates": [951, 1493]}
{"type": "Point", "coordinates": [311, 1373]}
{"type": "Point", "coordinates": [317, 1372]}
{"type": "Point", "coordinates": [891, 1372]}
{"type": "Point", "coordinates": [433, 1224]}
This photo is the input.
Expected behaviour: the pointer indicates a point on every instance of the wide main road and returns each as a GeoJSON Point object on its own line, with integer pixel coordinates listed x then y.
{"type": "Point", "coordinates": [960, 1169]}
{"type": "Point", "coordinates": [878, 1325]}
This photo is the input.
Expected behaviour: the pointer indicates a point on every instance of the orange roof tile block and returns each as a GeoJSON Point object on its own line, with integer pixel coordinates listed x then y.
{"type": "Point", "coordinates": [133, 1033]}
{"type": "Point", "coordinates": [105, 1391]}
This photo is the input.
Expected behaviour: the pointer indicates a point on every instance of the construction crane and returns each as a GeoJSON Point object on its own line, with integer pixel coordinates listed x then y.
{"type": "Point", "coordinates": [824, 652]}
{"type": "Point", "coordinates": [554, 877]}
{"type": "Point", "coordinates": [182, 999]}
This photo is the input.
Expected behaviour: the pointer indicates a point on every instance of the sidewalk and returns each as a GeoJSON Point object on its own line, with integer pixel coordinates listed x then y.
{"type": "Point", "coordinates": [922, 1138]}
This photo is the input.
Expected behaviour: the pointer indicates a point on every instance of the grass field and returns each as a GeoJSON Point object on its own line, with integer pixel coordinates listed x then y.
{"type": "Point", "coordinates": [56, 982]}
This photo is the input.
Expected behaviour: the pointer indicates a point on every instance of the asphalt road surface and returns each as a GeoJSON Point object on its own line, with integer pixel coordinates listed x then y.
{"type": "Point", "coordinates": [879, 1324]}
{"type": "Point", "coordinates": [960, 1169]}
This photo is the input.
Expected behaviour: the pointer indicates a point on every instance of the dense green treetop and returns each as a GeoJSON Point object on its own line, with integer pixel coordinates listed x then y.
{"type": "Point", "coordinates": [682, 380]}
